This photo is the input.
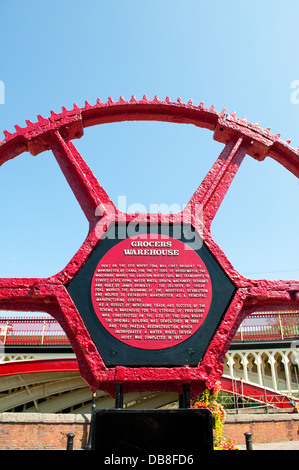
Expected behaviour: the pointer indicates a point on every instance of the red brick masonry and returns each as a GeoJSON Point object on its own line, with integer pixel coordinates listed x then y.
{"type": "Point", "coordinates": [272, 427]}
{"type": "Point", "coordinates": [36, 431]}
{"type": "Point", "coordinates": [39, 431]}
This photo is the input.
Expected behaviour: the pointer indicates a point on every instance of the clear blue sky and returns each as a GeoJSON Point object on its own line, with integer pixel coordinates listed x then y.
{"type": "Point", "coordinates": [241, 56]}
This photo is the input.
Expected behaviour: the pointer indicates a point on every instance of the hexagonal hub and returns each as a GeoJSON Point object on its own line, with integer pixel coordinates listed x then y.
{"type": "Point", "coordinates": [155, 298]}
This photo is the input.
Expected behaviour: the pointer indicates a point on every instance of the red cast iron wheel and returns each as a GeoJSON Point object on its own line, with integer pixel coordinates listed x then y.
{"type": "Point", "coordinates": [50, 295]}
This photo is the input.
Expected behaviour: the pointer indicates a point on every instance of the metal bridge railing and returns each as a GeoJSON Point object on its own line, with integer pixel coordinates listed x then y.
{"type": "Point", "coordinates": [269, 326]}
{"type": "Point", "coordinates": [40, 330]}
{"type": "Point", "coordinates": [31, 331]}
{"type": "Point", "coordinates": [27, 337]}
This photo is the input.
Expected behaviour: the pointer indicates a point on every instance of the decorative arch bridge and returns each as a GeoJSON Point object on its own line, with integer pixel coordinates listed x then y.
{"type": "Point", "coordinates": [39, 371]}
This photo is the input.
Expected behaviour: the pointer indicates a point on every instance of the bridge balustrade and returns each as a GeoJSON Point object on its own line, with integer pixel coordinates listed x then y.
{"type": "Point", "coordinates": [31, 331]}
{"type": "Point", "coordinates": [267, 375]}
{"type": "Point", "coordinates": [37, 330]}
{"type": "Point", "coordinates": [269, 326]}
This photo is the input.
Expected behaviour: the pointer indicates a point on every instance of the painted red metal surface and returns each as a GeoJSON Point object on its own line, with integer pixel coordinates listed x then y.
{"type": "Point", "coordinates": [50, 295]}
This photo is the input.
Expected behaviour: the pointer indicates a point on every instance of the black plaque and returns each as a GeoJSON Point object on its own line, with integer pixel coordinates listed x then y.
{"type": "Point", "coordinates": [152, 436]}
{"type": "Point", "coordinates": [116, 352]}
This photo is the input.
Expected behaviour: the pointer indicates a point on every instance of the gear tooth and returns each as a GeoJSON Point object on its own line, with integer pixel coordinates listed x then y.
{"type": "Point", "coordinates": [133, 99]}
{"type": "Point", "coordinates": [18, 128]}
{"type": "Point", "coordinates": [76, 107]}
{"type": "Point", "coordinates": [212, 108]}
{"type": "Point", "coordinates": [223, 112]}
{"type": "Point", "coordinates": [41, 120]}
{"type": "Point", "coordinates": [190, 102]}
{"type": "Point", "coordinates": [99, 102]}
{"type": "Point", "coordinates": [277, 136]}
{"type": "Point", "coordinates": [7, 134]}
{"type": "Point", "coordinates": [122, 100]}
{"type": "Point", "coordinates": [288, 141]}
{"type": "Point", "coordinates": [201, 105]}
{"type": "Point", "coordinates": [29, 123]}
{"type": "Point", "coordinates": [156, 99]}
{"type": "Point", "coordinates": [144, 98]}
{"type": "Point", "coordinates": [53, 115]}
{"type": "Point", "coordinates": [179, 101]}
{"type": "Point", "coordinates": [167, 99]}
{"type": "Point", "coordinates": [110, 100]}
{"type": "Point", "coordinates": [64, 110]}
{"type": "Point", "coordinates": [232, 115]}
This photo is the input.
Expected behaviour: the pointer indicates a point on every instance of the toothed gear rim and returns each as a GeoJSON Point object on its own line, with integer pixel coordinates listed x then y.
{"type": "Point", "coordinates": [240, 138]}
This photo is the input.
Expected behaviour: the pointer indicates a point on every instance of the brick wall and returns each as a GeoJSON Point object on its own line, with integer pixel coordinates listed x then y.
{"type": "Point", "coordinates": [36, 431]}
{"type": "Point", "coordinates": [272, 427]}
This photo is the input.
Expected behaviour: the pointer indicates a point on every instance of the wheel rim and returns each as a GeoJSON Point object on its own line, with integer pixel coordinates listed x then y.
{"type": "Point", "coordinates": [239, 137]}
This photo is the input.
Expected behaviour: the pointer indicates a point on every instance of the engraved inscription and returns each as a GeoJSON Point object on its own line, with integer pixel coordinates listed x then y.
{"type": "Point", "coordinates": [151, 300]}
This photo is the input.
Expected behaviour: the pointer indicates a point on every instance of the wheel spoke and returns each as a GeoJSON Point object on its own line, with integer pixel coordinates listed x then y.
{"type": "Point", "coordinates": [80, 178]}
{"type": "Point", "coordinates": [267, 295]}
{"type": "Point", "coordinates": [210, 194]}
{"type": "Point", "coordinates": [26, 294]}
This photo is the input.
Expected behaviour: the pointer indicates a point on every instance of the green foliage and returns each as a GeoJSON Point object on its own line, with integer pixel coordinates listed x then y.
{"type": "Point", "coordinates": [209, 399]}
